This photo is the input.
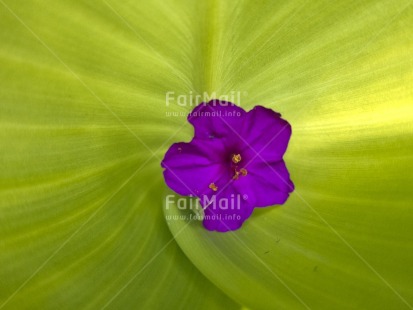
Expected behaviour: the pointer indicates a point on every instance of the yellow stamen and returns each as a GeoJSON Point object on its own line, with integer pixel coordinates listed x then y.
{"type": "Point", "coordinates": [236, 158]}
{"type": "Point", "coordinates": [243, 171]}
{"type": "Point", "coordinates": [213, 187]}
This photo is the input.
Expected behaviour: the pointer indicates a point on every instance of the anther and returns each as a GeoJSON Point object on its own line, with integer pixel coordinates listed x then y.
{"type": "Point", "coordinates": [236, 158]}
{"type": "Point", "coordinates": [243, 171]}
{"type": "Point", "coordinates": [213, 187]}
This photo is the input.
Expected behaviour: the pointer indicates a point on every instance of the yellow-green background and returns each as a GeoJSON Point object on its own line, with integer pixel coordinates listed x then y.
{"type": "Point", "coordinates": [83, 129]}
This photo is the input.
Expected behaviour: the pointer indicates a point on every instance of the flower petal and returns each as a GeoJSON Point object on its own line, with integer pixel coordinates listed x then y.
{"type": "Point", "coordinates": [216, 119]}
{"type": "Point", "coordinates": [226, 210]}
{"type": "Point", "coordinates": [266, 134]}
{"type": "Point", "coordinates": [191, 167]}
{"type": "Point", "coordinates": [266, 184]}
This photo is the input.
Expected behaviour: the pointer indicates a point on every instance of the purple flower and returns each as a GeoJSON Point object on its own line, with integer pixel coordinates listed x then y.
{"type": "Point", "coordinates": [233, 164]}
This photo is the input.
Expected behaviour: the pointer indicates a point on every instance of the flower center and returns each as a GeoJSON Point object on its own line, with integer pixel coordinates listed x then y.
{"type": "Point", "coordinates": [236, 159]}
{"type": "Point", "coordinates": [236, 170]}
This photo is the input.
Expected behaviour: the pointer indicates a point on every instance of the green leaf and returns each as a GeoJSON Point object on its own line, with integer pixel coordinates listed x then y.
{"type": "Point", "coordinates": [341, 74]}
{"type": "Point", "coordinates": [84, 125]}
{"type": "Point", "coordinates": [81, 222]}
